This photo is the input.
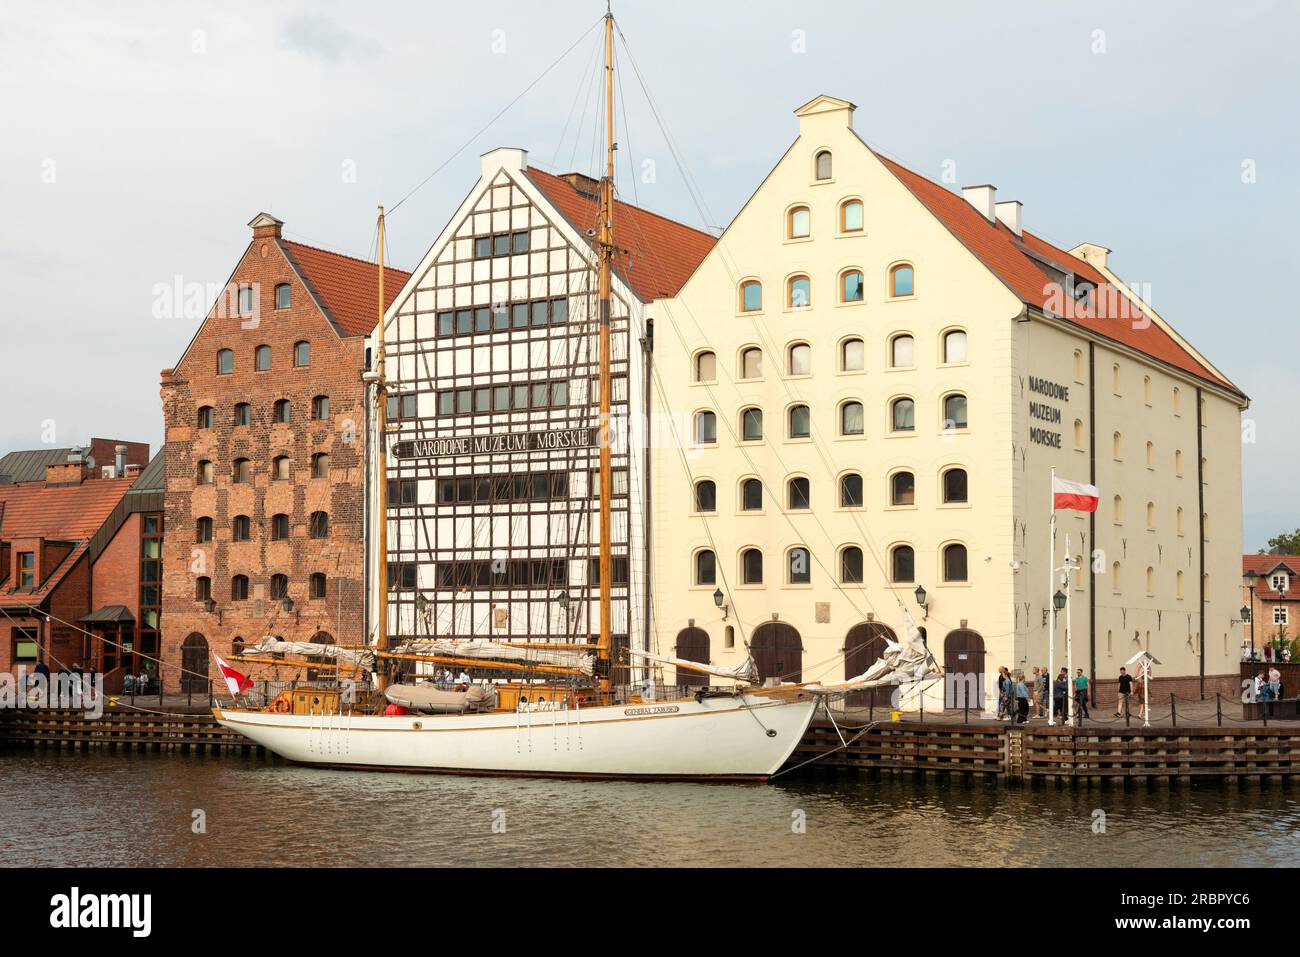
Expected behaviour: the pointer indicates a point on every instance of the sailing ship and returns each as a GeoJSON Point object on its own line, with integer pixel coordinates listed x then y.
{"type": "Point", "coordinates": [551, 708]}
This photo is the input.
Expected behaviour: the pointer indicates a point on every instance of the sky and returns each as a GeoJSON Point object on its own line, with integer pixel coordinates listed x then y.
{"type": "Point", "coordinates": [139, 138]}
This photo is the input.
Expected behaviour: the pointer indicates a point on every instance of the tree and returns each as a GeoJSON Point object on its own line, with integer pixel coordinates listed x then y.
{"type": "Point", "coordinates": [1286, 543]}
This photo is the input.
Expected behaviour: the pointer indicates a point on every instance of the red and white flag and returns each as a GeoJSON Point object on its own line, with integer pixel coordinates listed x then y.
{"type": "Point", "coordinates": [1073, 495]}
{"type": "Point", "coordinates": [234, 680]}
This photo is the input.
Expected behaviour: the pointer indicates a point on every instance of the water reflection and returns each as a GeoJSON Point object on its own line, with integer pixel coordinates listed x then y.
{"type": "Point", "coordinates": [105, 809]}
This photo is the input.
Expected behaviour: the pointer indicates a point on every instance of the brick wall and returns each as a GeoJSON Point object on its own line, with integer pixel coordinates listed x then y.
{"type": "Point", "coordinates": [335, 371]}
{"type": "Point", "coordinates": [1186, 688]}
{"type": "Point", "coordinates": [115, 576]}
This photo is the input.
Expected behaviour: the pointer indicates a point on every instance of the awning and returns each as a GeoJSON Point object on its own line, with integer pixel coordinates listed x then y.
{"type": "Point", "coordinates": [110, 615]}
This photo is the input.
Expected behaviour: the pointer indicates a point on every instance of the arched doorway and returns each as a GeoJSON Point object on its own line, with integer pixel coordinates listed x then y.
{"type": "Point", "coordinates": [863, 646]}
{"type": "Point", "coordinates": [194, 663]}
{"type": "Point", "coordinates": [320, 638]}
{"type": "Point", "coordinates": [778, 651]}
{"type": "Point", "coordinates": [692, 645]}
{"type": "Point", "coordinates": [963, 669]}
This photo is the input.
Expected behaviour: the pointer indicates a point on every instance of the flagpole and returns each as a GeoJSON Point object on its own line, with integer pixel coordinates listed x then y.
{"type": "Point", "coordinates": [1069, 638]}
{"type": "Point", "coordinates": [1051, 605]}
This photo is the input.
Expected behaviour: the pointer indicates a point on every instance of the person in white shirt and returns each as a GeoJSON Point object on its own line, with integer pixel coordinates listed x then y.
{"type": "Point", "coordinates": [464, 678]}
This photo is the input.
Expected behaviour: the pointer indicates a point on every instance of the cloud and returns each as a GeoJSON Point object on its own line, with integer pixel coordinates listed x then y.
{"type": "Point", "coordinates": [323, 39]}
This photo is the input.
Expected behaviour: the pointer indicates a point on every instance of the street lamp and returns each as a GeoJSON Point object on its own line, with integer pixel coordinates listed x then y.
{"type": "Point", "coordinates": [1251, 579]}
{"type": "Point", "coordinates": [920, 600]}
{"type": "Point", "coordinates": [1059, 600]}
{"type": "Point", "coordinates": [718, 599]}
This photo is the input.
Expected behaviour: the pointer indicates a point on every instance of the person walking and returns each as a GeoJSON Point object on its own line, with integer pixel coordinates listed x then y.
{"type": "Point", "coordinates": [1081, 694]}
{"type": "Point", "coordinates": [1003, 693]}
{"type": "Point", "coordinates": [1060, 688]}
{"type": "Point", "coordinates": [1040, 690]}
{"type": "Point", "coordinates": [1022, 698]}
{"type": "Point", "coordinates": [1125, 689]}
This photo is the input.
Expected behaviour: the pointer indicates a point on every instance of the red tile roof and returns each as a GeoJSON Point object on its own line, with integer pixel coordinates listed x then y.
{"type": "Point", "coordinates": [1264, 565]}
{"type": "Point", "coordinates": [70, 513]}
{"type": "Point", "coordinates": [1008, 256]}
{"type": "Point", "coordinates": [662, 253]}
{"type": "Point", "coordinates": [348, 288]}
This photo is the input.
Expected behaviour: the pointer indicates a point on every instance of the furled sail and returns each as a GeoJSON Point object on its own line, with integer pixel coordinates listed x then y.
{"type": "Point", "coordinates": [901, 663]}
{"type": "Point", "coordinates": [747, 671]}
{"type": "Point", "coordinates": [270, 645]}
{"type": "Point", "coordinates": [481, 648]}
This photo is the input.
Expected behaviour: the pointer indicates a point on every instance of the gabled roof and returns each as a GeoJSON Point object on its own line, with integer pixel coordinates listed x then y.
{"type": "Point", "coordinates": [69, 513]}
{"type": "Point", "coordinates": [346, 288]}
{"type": "Point", "coordinates": [660, 254]}
{"type": "Point", "coordinates": [28, 465]}
{"type": "Point", "coordinates": [1012, 259]}
{"type": "Point", "coordinates": [1265, 565]}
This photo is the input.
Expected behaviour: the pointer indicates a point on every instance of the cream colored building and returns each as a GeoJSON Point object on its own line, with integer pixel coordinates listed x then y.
{"type": "Point", "coordinates": [877, 375]}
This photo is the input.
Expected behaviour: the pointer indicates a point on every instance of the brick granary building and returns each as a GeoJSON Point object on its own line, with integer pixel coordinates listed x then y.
{"type": "Point", "coordinates": [265, 437]}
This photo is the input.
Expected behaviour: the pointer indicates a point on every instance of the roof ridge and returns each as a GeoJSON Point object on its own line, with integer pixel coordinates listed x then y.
{"type": "Point", "coordinates": [638, 208]}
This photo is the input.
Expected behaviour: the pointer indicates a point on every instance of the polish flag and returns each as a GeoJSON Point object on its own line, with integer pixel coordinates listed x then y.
{"type": "Point", "coordinates": [1073, 495]}
{"type": "Point", "coordinates": [234, 680]}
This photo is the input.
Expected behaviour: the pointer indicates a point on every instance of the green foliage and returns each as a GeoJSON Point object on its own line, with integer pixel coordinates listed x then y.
{"type": "Point", "coordinates": [1286, 543]}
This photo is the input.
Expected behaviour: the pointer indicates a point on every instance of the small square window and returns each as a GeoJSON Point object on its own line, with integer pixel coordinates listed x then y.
{"type": "Point", "coordinates": [282, 296]}
{"type": "Point", "coordinates": [519, 242]}
{"type": "Point", "coordinates": [482, 247]}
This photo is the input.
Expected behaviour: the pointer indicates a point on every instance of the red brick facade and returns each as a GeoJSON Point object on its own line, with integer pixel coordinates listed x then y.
{"type": "Point", "coordinates": [334, 370]}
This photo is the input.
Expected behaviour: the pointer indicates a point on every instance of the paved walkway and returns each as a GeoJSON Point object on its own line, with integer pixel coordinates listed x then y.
{"type": "Point", "coordinates": [1188, 714]}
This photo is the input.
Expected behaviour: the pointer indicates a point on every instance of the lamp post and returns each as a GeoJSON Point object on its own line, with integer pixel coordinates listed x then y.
{"type": "Point", "coordinates": [1277, 649]}
{"type": "Point", "coordinates": [1252, 579]}
{"type": "Point", "coordinates": [1060, 603]}
{"type": "Point", "coordinates": [920, 600]}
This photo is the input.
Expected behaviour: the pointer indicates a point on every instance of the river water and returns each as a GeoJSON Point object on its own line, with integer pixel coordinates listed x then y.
{"type": "Point", "coordinates": [60, 808]}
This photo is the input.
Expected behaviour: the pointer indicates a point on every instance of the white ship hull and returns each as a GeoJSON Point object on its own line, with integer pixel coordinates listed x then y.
{"type": "Point", "coordinates": [745, 736]}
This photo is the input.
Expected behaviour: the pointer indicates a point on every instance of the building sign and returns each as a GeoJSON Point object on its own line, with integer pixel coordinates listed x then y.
{"type": "Point", "coordinates": [496, 443]}
{"type": "Point", "coordinates": [1046, 412]}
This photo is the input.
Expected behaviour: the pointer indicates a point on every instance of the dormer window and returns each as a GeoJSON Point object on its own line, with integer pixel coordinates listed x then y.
{"type": "Point", "coordinates": [27, 570]}
{"type": "Point", "coordinates": [1082, 292]}
{"type": "Point", "coordinates": [1280, 581]}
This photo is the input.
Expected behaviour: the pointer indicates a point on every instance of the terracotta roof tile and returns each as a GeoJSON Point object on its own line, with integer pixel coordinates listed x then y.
{"type": "Point", "coordinates": [662, 253]}
{"type": "Point", "coordinates": [1264, 565]}
{"type": "Point", "coordinates": [346, 287]}
{"type": "Point", "coordinates": [1010, 258]}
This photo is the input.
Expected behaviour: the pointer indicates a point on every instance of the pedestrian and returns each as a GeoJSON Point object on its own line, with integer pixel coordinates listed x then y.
{"type": "Point", "coordinates": [1081, 694]}
{"type": "Point", "coordinates": [1022, 698]}
{"type": "Point", "coordinates": [1059, 689]}
{"type": "Point", "coordinates": [1004, 693]}
{"type": "Point", "coordinates": [1043, 682]}
{"type": "Point", "coordinates": [1268, 651]}
{"type": "Point", "coordinates": [1125, 689]}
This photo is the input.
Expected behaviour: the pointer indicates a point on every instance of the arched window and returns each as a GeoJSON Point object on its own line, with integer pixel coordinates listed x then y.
{"type": "Point", "coordinates": [1118, 510]}
{"type": "Point", "coordinates": [954, 486]}
{"type": "Point", "coordinates": [1146, 389]}
{"type": "Point", "coordinates": [243, 414]}
{"type": "Point", "coordinates": [751, 425]}
{"type": "Point", "coordinates": [1178, 401]}
{"type": "Point", "coordinates": [262, 358]}
{"type": "Point", "coordinates": [319, 525]}
{"type": "Point", "coordinates": [279, 527]}
{"type": "Point", "coordinates": [1178, 462]}
{"type": "Point", "coordinates": [202, 588]}
{"type": "Point", "coordinates": [751, 363]}
{"type": "Point", "coordinates": [851, 418]}
{"type": "Point", "coordinates": [851, 285]}
{"type": "Point", "coordinates": [203, 529]}
{"type": "Point", "coordinates": [751, 296]}
{"type": "Point", "coordinates": [954, 411]}
{"type": "Point", "coordinates": [851, 565]}
{"type": "Point", "coordinates": [798, 223]}
{"type": "Point", "coordinates": [902, 564]}
{"type": "Point", "coordinates": [852, 356]}
{"type": "Point", "coordinates": [242, 471]}
{"type": "Point", "coordinates": [1078, 435]}
{"type": "Point", "coordinates": [706, 367]}
{"type": "Point", "coordinates": [204, 418]}
{"type": "Point", "coordinates": [901, 281]}
{"type": "Point", "coordinates": [798, 493]}
{"type": "Point", "coordinates": [279, 587]}
{"type": "Point", "coordinates": [1078, 365]}
{"type": "Point", "coordinates": [706, 428]}
{"type": "Point", "coordinates": [203, 473]}
{"type": "Point", "coordinates": [280, 468]}
{"type": "Point", "coordinates": [1151, 581]}
{"type": "Point", "coordinates": [751, 566]}
{"type": "Point", "coordinates": [282, 296]}
{"type": "Point", "coordinates": [239, 588]}
{"type": "Point", "coordinates": [851, 216]}
{"type": "Point", "coordinates": [799, 359]}
{"type": "Point", "coordinates": [954, 346]}
{"type": "Point", "coordinates": [800, 422]}
{"type": "Point", "coordinates": [954, 563]}
{"type": "Point", "coordinates": [225, 362]}
{"type": "Point", "coordinates": [800, 566]}
{"type": "Point", "coordinates": [1115, 580]}
{"type": "Point", "coordinates": [822, 164]}
{"type": "Point", "coordinates": [706, 496]}
{"type": "Point", "coordinates": [316, 585]}
{"type": "Point", "coordinates": [320, 465]}
{"type": "Point", "coordinates": [1151, 515]}
{"type": "Point", "coordinates": [903, 415]}
{"type": "Point", "coordinates": [706, 571]}
{"type": "Point", "coordinates": [1115, 379]}
{"type": "Point", "coordinates": [1178, 585]}
{"type": "Point", "coordinates": [302, 354]}
{"type": "Point", "coordinates": [798, 292]}
{"type": "Point", "coordinates": [851, 490]}
{"type": "Point", "coordinates": [902, 488]}
{"type": "Point", "coordinates": [1151, 455]}
{"type": "Point", "coordinates": [240, 528]}
{"type": "Point", "coordinates": [320, 407]}
{"type": "Point", "coordinates": [1117, 446]}
{"type": "Point", "coordinates": [1178, 519]}
{"type": "Point", "coordinates": [751, 495]}
{"type": "Point", "coordinates": [281, 411]}
{"type": "Point", "coordinates": [901, 352]}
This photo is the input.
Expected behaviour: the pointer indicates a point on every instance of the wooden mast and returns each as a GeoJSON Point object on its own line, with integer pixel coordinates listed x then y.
{"type": "Point", "coordinates": [606, 247]}
{"type": "Point", "coordinates": [381, 459]}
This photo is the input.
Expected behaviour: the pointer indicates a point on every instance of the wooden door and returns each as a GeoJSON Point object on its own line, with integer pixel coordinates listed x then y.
{"type": "Point", "coordinates": [863, 647]}
{"type": "Point", "coordinates": [692, 645]}
{"type": "Point", "coordinates": [194, 664]}
{"type": "Point", "coordinates": [778, 651]}
{"type": "Point", "coordinates": [963, 657]}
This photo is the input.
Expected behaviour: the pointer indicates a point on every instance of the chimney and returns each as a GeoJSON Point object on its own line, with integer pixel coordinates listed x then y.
{"type": "Point", "coordinates": [265, 226]}
{"type": "Point", "coordinates": [1091, 253]}
{"type": "Point", "coordinates": [71, 472]}
{"type": "Point", "coordinates": [132, 470]}
{"type": "Point", "coordinates": [503, 157]}
{"type": "Point", "coordinates": [983, 198]}
{"type": "Point", "coordinates": [119, 459]}
{"type": "Point", "coordinates": [583, 183]}
{"type": "Point", "coordinates": [1008, 213]}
